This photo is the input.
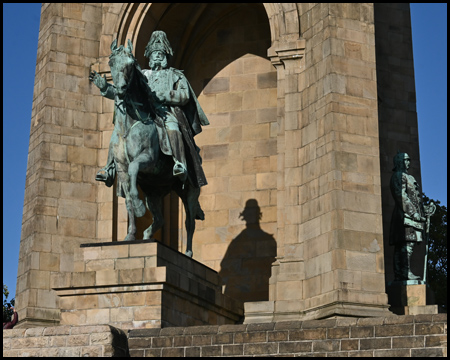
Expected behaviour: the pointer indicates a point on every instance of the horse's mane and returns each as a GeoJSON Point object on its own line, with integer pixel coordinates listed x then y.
{"type": "Point", "coordinates": [140, 93]}
{"type": "Point", "coordinates": [139, 83]}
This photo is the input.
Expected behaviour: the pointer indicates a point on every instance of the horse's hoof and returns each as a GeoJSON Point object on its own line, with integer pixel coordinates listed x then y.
{"type": "Point", "coordinates": [139, 208]}
{"type": "Point", "coordinates": [103, 175]}
{"type": "Point", "coordinates": [189, 253]}
{"type": "Point", "coordinates": [130, 238]}
{"type": "Point", "coordinates": [200, 215]}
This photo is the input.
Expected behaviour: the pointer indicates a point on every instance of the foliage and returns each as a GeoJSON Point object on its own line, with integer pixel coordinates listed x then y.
{"type": "Point", "coordinates": [437, 253]}
{"type": "Point", "coordinates": [7, 304]}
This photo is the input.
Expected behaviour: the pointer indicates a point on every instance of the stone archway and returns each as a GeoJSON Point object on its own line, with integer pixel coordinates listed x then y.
{"type": "Point", "coordinates": [223, 50]}
{"type": "Point", "coordinates": [129, 19]}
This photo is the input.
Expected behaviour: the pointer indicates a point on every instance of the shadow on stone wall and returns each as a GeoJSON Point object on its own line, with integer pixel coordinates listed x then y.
{"type": "Point", "coordinates": [246, 266]}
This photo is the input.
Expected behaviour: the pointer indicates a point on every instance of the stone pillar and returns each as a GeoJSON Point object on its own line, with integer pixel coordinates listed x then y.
{"type": "Point", "coordinates": [330, 237]}
{"type": "Point", "coordinates": [288, 59]}
{"type": "Point", "coordinates": [60, 205]}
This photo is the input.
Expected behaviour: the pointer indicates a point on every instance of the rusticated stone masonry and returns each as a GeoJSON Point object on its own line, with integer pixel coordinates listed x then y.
{"type": "Point", "coordinates": [65, 341]}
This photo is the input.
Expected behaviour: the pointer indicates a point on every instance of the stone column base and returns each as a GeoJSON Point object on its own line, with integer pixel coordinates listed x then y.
{"type": "Point", "coordinates": [259, 312]}
{"type": "Point", "coordinates": [142, 284]}
{"type": "Point", "coordinates": [270, 311]}
{"type": "Point", "coordinates": [417, 310]}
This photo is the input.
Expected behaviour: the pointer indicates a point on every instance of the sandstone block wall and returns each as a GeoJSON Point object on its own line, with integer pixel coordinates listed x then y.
{"type": "Point", "coordinates": [65, 341]}
{"type": "Point", "coordinates": [420, 335]}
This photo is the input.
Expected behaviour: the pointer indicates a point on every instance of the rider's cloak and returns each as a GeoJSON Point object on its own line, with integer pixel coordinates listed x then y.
{"type": "Point", "coordinates": [190, 118]}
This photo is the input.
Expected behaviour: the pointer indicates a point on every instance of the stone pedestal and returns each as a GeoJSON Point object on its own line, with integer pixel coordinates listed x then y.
{"type": "Point", "coordinates": [141, 284]}
{"type": "Point", "coordinates": [409, 298]}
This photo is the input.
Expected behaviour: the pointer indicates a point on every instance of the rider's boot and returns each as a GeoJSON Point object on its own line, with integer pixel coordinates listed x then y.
{"type": "Point", "coordinates": [179, 157]}
{"type": "Point", "coordinates": [398, 264]}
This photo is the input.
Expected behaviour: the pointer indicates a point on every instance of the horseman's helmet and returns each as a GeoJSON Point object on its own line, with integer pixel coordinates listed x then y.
{"type": "Point", "coordinates": [158, 41]}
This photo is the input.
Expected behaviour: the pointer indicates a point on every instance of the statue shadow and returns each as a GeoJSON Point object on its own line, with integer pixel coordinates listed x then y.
{"type": "Point", "coordinates": [246, 266]}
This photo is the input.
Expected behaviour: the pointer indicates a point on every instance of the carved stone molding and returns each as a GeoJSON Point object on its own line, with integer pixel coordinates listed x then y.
{"type": "Point", "coordinates": [281, 52]}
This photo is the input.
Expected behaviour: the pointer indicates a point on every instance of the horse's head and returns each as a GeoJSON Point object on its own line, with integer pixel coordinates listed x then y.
{"type": "Point", "coordinates": [122, 64]}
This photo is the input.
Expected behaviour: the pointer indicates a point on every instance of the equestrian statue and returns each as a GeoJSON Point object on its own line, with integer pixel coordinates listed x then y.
{"type": "Point", "coordinates": [156, 116]}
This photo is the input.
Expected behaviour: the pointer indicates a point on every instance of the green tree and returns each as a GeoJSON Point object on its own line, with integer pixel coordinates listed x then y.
{"type": "Point", "coordinates": [437, 253]}
{"type": "Point", "coordinates": [7, 311]}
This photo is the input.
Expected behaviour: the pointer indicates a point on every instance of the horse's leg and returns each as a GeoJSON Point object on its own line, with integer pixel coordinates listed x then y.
{"type": "Point", "coordinates": [132, 222]}
{"type": "Point", "coordinates": [190, 228]}
{"type": "Point", "coordinates": [124, 180]}
{"type": "Point", "coordinates": [140, 162]}
{"type": "Point", "coordinates": [193, 211]}
{"type": "Point", "coordinates": [107, 174]}
{"type": "Point", "coordinates": [154, 204]}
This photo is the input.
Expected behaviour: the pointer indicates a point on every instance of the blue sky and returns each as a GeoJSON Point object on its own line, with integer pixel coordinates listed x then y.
{"type": "Point", "coordinates": [20, 38]}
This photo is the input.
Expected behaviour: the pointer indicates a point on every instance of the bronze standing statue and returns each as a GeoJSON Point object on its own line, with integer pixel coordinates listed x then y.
{"type": "Point", "coordinates": [409, 218]}
{"type": "Point", "coordinates": [156, 116]}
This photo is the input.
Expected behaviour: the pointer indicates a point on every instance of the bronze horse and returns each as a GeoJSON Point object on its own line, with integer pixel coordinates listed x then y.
{"type": "Point", "coordinates": [137, 154]}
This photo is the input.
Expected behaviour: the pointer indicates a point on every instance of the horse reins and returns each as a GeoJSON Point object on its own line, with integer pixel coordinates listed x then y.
{"type": "Point", "coordinates": [124, 136]}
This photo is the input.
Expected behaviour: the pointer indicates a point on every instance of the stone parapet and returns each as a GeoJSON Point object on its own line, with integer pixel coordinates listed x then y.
{"type": "Point", "coordinates": [65, 341]}
{"type": "Point", "coordinates": [420, 335]}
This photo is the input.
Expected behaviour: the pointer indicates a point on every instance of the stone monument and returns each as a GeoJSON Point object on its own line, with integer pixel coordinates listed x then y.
{"type": "Point", "coordinates": [141, 284]}
{"type": "Point", "coordinates": [307, 102]}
